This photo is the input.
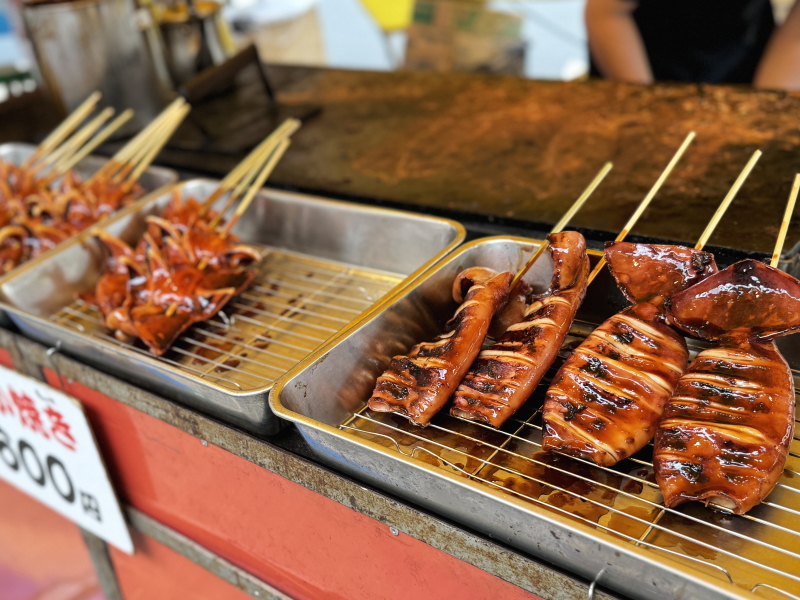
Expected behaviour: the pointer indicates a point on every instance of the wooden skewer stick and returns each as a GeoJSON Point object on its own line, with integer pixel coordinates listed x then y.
{"type": "Point", "coordinates": [787, 217]}
{"type": "Point", "coordinates": [101, 137]}
{"type": "Point", "coordinates": [257, 184]}
{"type": "Point", "coordinates": [726, 202]}
{"type": "Point", "coordinates": [712, 224]}
{"type": "Point", "coordinates": [563, 222]}
{"type": "Point", "coordinates": [163, 130]}
{"type": "Point", "coordinates": [267, 169]}
{"type": "Point", "coordinates": [135, 167]}
{"type": "Point", "coordinates": [74, 143]}
{"type": "Point", "coordinates": [158, 144]}
{"type": "Point", "coordinates": [141, 138]}
{"type": "Point", "coordinates": [139, 154]}
{"type": "Point", "coordinates": [138, 146]}
{"type": "Point", "coordinates": [127, 152]}
{"type": "Point", "coordinates": [67, 126]}
{"type": "Point", "coordinates": [284, 130]}
{"type": "Point", "coordinates": [257, 155]}
{"type": "Point", "coordinates": [256, 164]}
{"type": "Point", "coordinates": [646, 201]}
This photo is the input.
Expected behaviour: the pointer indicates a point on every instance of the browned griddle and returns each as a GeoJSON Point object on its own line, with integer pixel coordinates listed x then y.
{"type": "Point", "coordinates": [521, 150]}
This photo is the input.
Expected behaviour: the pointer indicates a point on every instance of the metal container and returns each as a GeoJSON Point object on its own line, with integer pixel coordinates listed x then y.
{"type": "Point", "coordinates": [608, 524]}
{"type": "Point", "coordinates": [89, 45]}
{"type": "Point", "coordinates": [195, 37]}
{"type": "Point", "coordinates": [325, 263]}
{"type": "Point", "coordinates": [151, 180]}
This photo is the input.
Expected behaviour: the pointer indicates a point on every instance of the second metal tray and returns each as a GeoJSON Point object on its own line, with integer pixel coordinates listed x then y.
{"type": "Point", "coordinates": [325, 263]}
{"type": "Point", "coordinates": [601, 522]}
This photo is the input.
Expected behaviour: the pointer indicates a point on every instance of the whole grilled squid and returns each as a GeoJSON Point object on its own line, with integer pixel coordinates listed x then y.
{"type": "Point", "coordinates": [726, 430]}
{"type": "Point", "coordinates": [180, 273]}
{"type": "Point", "coordinates": [504, 375]}
{"type": "Point", "coordinates": [419, 384]}
{"type": "Point", "coordinates": [606, 400]}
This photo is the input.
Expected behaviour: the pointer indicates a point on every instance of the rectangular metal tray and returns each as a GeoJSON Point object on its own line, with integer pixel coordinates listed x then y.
{"type": "Point", "coordinates": [585, 519]}
{"type": "Point", "coordinates": [325, 263]}
{"type": "Point", "coordinates": [151, 180]}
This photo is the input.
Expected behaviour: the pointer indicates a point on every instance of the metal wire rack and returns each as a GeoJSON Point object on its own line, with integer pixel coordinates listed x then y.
{"type": "Point", "coordinates": [759, 551]}
{"type": "Point", "coordinates": [294, 304]}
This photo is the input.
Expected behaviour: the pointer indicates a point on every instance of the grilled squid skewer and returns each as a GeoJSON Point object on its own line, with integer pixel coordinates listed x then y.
{"type": "Point", "coordinates": [606, 400]}
{"type": "Point", "coordinates": [505, 374]}
{"type": "Point", "coordinates": [419, 384]}
{"type": "Point", "coordinates": [180, 273]}
{"type": "Point", "coordinates": [726, 431]}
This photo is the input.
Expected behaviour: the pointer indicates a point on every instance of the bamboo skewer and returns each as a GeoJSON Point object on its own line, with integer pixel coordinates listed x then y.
{"type": "Point", "coordinates": [166, 123]}
{"type": "Point", "coordinates": [255, 165]}
{"type": "Point", "coordinates": [787, 217]}
{"type": "Point", "coordinates": [576, 206]}
{"type": "Point", "coordinates": [726, 202]}
{"type": "Point", "coordinates": [74, 143]}
{"type": "Point", "coordinates": [715, 219]}
{"type": "Point", "coordinates": [241, 187]}
{"type": "Point", "coordinates": [728, 199]}
{"type": "Point", "coordinates": [130, 150]}
{"type": "Point", "coordinates": [261, 171]}
{"type": "Point", "coordinates": [160, 141]}
{"type": "Point", "coordinates": [66, 164]}
{"type": "Point", "coordinates": [257, 155]}
{"type": "Point", "coordinates": [266, 171]}
{"type": "Point", "coordinates": [67, 126]}
{"type": "Point", "coordinates": [646, 201]}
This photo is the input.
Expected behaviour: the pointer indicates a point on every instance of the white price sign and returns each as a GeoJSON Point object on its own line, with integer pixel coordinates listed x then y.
{"type": "Point", "coordinates": [48, 451]}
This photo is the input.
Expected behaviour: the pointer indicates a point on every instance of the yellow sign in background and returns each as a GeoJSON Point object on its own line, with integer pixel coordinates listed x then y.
{"type": "Point", "coordinates": [390, 15]}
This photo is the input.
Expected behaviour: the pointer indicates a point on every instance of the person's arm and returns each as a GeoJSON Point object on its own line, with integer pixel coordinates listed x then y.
{"type": "Point", "coordinates": [780, 66]}
{"type": "Point", "coordinates": [615, 42]}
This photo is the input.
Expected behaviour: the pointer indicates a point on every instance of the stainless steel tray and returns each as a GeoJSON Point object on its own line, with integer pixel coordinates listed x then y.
{"type": "Point", "coordinates": [151, 180]}
{"type": "Point", "coordinates": [586, 519]}
{"type": "Point", "coordinates": [324, 264]}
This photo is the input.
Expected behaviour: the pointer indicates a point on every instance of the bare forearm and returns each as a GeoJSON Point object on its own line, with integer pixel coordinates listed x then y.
{"type": "Point", "coordinates": [615, 42]}
{"type": "Point", "coordinates": [780, 66]}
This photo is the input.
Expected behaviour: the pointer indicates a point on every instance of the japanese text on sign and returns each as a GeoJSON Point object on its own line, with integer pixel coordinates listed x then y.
{"type": "Point", "coordinates": [16, 402]}
{"type": "Point", "coordinates": [47, 450]}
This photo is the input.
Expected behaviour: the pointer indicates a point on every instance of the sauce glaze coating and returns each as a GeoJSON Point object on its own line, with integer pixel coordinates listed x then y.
{"type": "Point", "coordinates": [726, 431]}
{"type": "Point", "coordinates": [419, 384]}
{"type": "Point", "coordinates": [605, 401]}
{"type": "Point", "coordinates": [504, 375]}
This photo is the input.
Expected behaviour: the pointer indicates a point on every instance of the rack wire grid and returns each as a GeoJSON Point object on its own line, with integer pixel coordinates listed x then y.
{"type": "Point", "coordinates": [759, 551]}
{"type": "Point", "coordinates": [295, 303]}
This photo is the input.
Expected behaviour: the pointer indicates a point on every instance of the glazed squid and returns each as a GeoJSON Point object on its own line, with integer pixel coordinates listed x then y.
{"type": "Point", "coordinates": [37, 214]}
{"type": "Point", "coordinates": [606, 400]}
{"type": "Point", "coordinates": [180, 273]}
{"type": "Point", "coordinates": [726, 430]}
{"type": "Point", "coordinates": [504, 375]}
{"type": "Point", "coordinates": [420, 383]}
